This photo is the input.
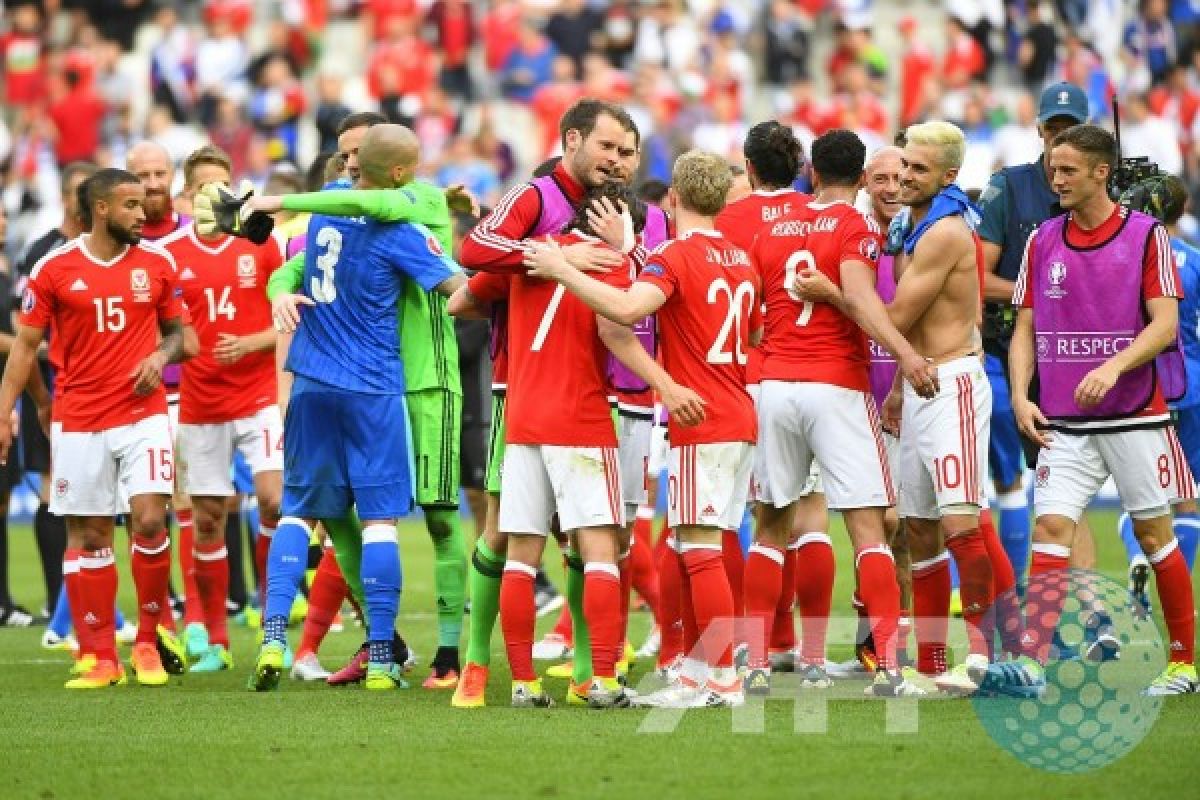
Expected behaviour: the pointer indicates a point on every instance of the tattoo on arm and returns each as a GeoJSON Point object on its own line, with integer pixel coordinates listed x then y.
{"type": "Point", "coordinates": [172, 339]}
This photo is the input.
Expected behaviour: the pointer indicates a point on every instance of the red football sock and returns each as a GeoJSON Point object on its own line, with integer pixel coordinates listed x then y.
{"type": "Point", "coordinates": [1044, 597]}
{"type": "Point", "coordinates": [783, 626]}
{"type": "Point", "coordinates": [83, 632]}
{"type": "Point", "coordinates": [1007, 611]}
{"type": "Point", "coordinates": [1175, 595]}
{"type": "Point", "coordinates": [669, 601]}
{"type": "Point", "coordinates": [975, 587]}
{"type": "Point", "coordinates": [763, 585]}
{"type": "Point", "coordinates": [625, 576]}
{"type": "Point", "coordinates": [562, 625]}
{"type": "Point", "coordinates": [518, 614]}
{"type": "Point", "coordinates": [601, 608]}
{"type": "Point", "coordinates": [325, 598]}
{"type": "Point", "coordinates": [645, 574]}
{"type": "Point", "coordinates": [151, 568]}
{"type": "Point", "coordinates": [931, 612]}
{"type": "Point", "coordinates": [212, 582]}
{"type": "Point", "coordinates": [735, 567]}
{"type": "Point", "coordinates": [262, 546]}
{"type": "Point", "coordinates": [881, 595]}
{"type": "Point", "coordinates": [814, 593]}
{"type": "Point", "coordinates": [97, 601]}
{"type": "Point", "coordinates": [712, 601]}
{"type": "Point", "coordinates": [193, 604]}
{"type": "Point", "coordinates": [690, 638]}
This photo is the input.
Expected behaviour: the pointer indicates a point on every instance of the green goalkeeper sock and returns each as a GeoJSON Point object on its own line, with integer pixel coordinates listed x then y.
{"type": "Point", "coordinates": [449, 573]}
{"type": "Point", "coordinates": [486, 570]}
{"type": "Point", "coordinates": [346, 535]}
{"type": "Point", "coordinates": [582, 660]}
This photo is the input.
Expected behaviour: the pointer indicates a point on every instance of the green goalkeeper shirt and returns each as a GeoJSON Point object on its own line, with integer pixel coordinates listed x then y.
{"type": "Point", "coordinates": [428, 345]}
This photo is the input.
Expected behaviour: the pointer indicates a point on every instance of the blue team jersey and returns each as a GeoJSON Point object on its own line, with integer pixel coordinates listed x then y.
{"type": "Point", "coordinates": [1187, 260]}
{"type": "Point", "coordinates": [354, 270]}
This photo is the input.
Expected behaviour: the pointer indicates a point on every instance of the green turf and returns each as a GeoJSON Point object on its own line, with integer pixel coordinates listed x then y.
{"type": "Point", "coordinates": [208, 737]}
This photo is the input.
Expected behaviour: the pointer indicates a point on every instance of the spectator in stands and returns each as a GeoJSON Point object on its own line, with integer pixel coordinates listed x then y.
{"type": "Point", "coordinates": [529, 65]}
{"type": "Point", "coordinates": [551, 100]}
{"type": "Point", "coordinates": [916, 67]}
{"type": "Point", "coordinates": [618, 33]}
{"type": "Point", "coordinates": [22, 56]}
{"type": "Point", "coordinates": [787, 29]}
{"type": "Point", "coordinates": [666, 36]}
{"type": "Point", "coordinates": [221, 60]}
{"type": "Point", "coordinates": [1144, 134]}
{"type": "Point", "coordinates": [1038, 47]}
{"type": "Point", "coordinates": [963, 60]}
{"type": "Point", "coordinates": [461, 164]}
{"type": "Point", "coordinates": [1150, 38]}
{"type": "Point", "coordinates": [572, 28]}
{"type": "Point", "coordinates": [453, 24]}
{"type": "Point", "coordinates": [1018, 141]}
{"type": "Point", "coordinates": [77, 114]}
{"type": "Point", "coordinates": [233, 134]}
{"type": "Point", "coordinates": [330, 111]}
{"type": "Point", "coordinates": [401, 70]}
{"type": "Point", "coordinates": [275, 108]}
{"type": "Point", "coordinates": [173, 65]}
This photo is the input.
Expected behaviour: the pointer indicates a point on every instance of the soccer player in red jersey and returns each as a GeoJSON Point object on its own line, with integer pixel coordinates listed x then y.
{"type": "Point", "coordinates": [706, 296]}
{"type": "Point", "coordinates": [152, 165]}
{"type": "Point", "coordinates": [228, 393]}
{"type": "Point", "coordinates": [563, 462]}
{"type": "Point", "coordinates": [816, 403]}
{"type": "Point", "coordinates": [774, 158]}
{"type": "Point", "coordinates": [118, 326]}
{"type": "Point", "coordinates": [591, 133]}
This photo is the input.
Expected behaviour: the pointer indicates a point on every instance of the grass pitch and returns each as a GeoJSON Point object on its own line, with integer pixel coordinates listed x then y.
{"type": "Point", "coordinates": [206, 736]}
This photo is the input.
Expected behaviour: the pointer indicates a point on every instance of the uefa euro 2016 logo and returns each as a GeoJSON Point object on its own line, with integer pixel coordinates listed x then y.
{"type": "Point", "coordinates": [1092, 711]}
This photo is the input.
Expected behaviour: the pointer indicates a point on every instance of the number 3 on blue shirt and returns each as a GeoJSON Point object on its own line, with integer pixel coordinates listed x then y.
{"type": "Point", "coordinates": [324, 290]}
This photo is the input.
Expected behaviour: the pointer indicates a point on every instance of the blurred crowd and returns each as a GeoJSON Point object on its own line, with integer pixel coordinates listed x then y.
{"type": "Point", "coordinates": [483, 82]}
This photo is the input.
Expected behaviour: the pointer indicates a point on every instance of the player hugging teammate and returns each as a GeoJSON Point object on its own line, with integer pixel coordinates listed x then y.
{"type": "Point", "coordinates": [599, 303]}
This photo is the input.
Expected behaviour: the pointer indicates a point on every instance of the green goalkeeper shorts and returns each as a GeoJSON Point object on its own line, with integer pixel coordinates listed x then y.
{"type": "Point", "coordinates": [436, 419]}
{"type": "Point", "coordinates": [496, 444]}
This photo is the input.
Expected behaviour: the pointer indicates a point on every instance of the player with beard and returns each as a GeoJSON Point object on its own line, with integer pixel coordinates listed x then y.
{"type": "Point", "coordinates": [574, 455]}
{"type": "Point", "coordinates": [705, 294]}
{"type": "Point", "coordinates": [774, 159]}
{"type": "Point", "coordinates": [152, 165]}
{"type": "Point", "coordinates": [117, 327]}
{"type": "Point", "coordinates": [591, 133]}
{"type": "Point", "coordinates": [635, 417]}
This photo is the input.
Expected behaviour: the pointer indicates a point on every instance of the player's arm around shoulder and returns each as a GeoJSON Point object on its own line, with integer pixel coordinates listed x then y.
{"type": "Point", "coordinates": [937, 254]}
{"type": "Point", "coordinates": [547, 260]}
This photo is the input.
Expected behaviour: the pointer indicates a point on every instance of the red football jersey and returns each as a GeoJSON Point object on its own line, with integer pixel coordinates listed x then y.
{"type": "Point", "coordinates": [814, 341]}
{"type": "Point", "coordinates": [704, 327]}
{"type": "Point", "coordinates": [557, 365]}
{"type": "Point", "coordinates": [223, 283]}
{"type": "Point", "coordinates": [105, 317]}
{"type": "Point", "coordinates": [740, 223]}
{"type": "Point", "coordinates": [741, 220]}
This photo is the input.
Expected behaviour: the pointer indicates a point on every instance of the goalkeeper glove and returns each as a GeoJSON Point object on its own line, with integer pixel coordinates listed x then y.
{"type": "Point", "coordinates": [218, 209]}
